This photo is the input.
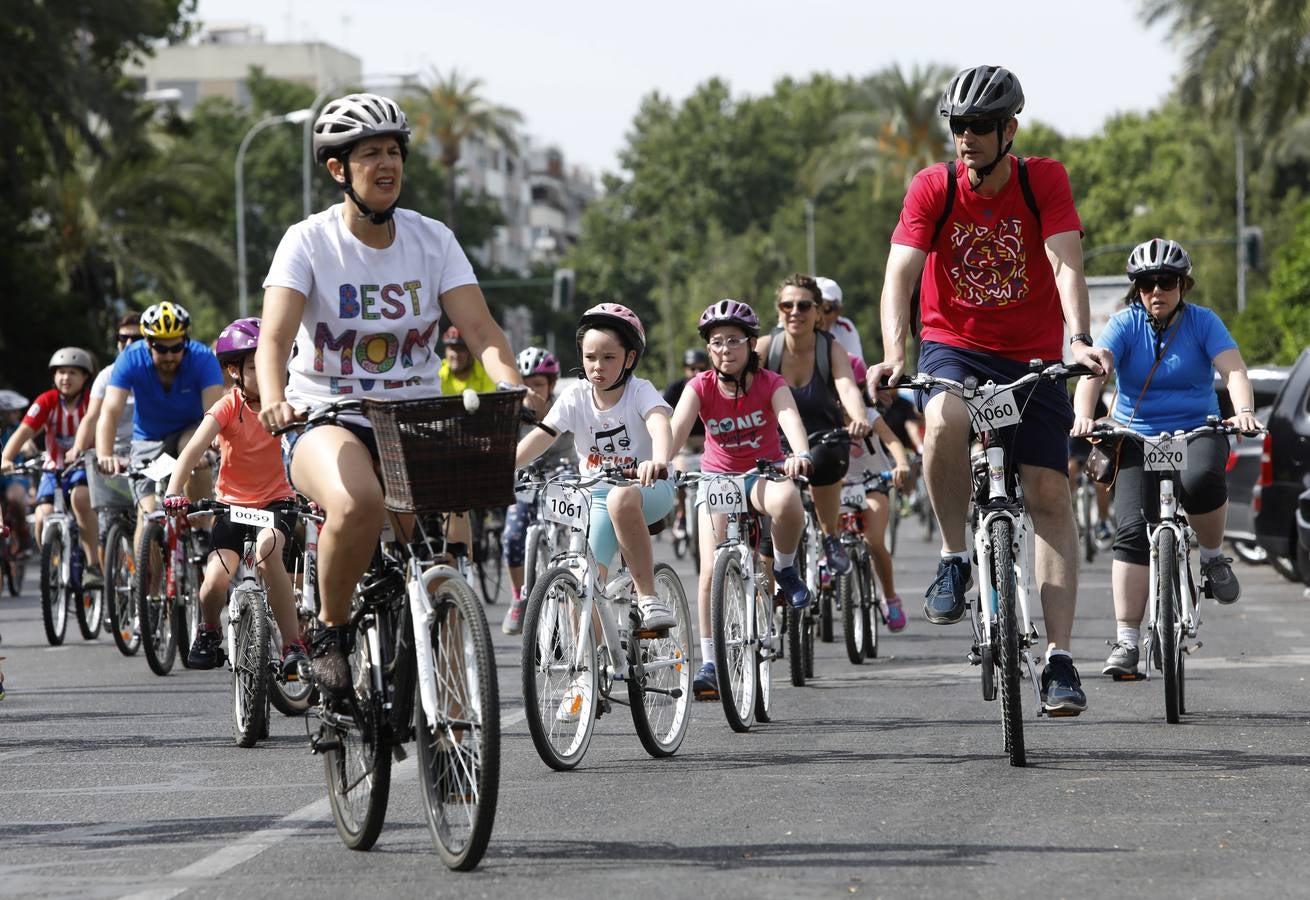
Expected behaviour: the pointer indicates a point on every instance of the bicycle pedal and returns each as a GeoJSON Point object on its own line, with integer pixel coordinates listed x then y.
{"type": "Point", "coordinates": [974, 657]}
{"type": "Point", "coordinates": [1062, 713]}
{"type": "Point", "coordinates": [646, 634]}
{"type": "Point", "coordinates": [1189, 649]}
{"type": "Point", "coordinates": [1128, 676]}
{"type": "Point", "coordinates": [319, 744]}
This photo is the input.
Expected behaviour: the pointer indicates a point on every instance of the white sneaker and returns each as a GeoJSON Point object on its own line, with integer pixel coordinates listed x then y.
{"type": "Point", "coordinates": [575, 700]}
{"type": "Point", "coordinates": [655, 613]}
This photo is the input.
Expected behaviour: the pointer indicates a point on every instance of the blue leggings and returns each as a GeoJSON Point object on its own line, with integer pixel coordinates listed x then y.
{"type": "Point", "coordinates": [656, 502]}
{"type": "Point", "coordinates": [513, 540]}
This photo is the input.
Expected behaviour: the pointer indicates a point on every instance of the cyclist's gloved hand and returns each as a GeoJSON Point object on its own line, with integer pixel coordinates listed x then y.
{"type": "Point", "coordinates": [176, 503]}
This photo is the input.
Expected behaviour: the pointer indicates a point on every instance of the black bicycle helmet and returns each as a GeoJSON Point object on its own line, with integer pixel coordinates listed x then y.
{"type": "Point", "coordinates": [984, 93]}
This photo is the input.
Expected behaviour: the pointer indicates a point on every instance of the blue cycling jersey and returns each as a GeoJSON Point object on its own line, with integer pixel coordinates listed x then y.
{"type": "Point", "coordinates": [161, 412]}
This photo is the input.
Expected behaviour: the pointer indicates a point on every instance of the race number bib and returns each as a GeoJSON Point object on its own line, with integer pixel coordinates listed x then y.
{"type": "Point", "coordinates": [161, 467]}
{"type": "Point", "coordinates": [997, 410]}
{"type": "Point", "coordinates": [852, 495]}
{"type": "Point", "coordinates": [567, 505]}
{"type": "Point", "coordinates": [1165, 454]}
{"type": "Point", "coordinates": [725, 494]}
{"type": "Point", "coordinates": [244, 515]}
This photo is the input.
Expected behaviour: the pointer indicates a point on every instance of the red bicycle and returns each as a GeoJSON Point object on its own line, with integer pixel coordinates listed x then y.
{"type": "Point", "coordinates": [167, 589]}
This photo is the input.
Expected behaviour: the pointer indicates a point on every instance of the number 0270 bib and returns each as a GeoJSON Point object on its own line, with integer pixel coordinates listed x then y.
{"type": "Point", "coordinates": [1165, 454]}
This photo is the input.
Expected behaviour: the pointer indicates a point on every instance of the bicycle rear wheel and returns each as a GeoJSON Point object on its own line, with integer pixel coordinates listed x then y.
{"type": "Point", "coordinates": [854, 616]}
{"type": "Point", "coordinates": [357, 759]}
{"type": "Point", "coordinates": [872, 610]}
{"type": "Point", "coordinates": [661, 700]}
{"type": "Point", "coordinates": [459, 750]}
{"type": "Point", "coordinates": [153, 608]}
{"type": "Point", "coordinates": [89, 603]}
{"type": "Point", "coordinates": [250, 669]}
{"type": "Point", "coordinates": [734, 647]}
{"type": "Point", "coordinates": [893, 519]}
{"type": "Point", "coordinates": [767, 646]}
{"type": "Point", "coordinates": [1007, 635]}
{"type": "Point", "coordinates": [120, 566]}
{"type": "Point", "coordinates": [54, 591]}
{"type": "Point", "coordinates": [560, 697]}
{"type": "Point", "coordinates": [1167, 622]}
{"type": "Point", "coordinates": [491, 568]}
{"type": "Point", "coordinates": [186, 619]}
{"type": "Point", "coordinates": [1086, 502]}
{"type": "Point", "coordinates": [827, 598]}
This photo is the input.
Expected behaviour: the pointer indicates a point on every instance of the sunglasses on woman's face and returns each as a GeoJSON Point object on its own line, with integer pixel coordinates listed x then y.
{"type": "Point", "coordinates": [1165, 283]}
{"type": "Point", "coordinates": [798, 305]}
{"type": "Point", "coordinates": [125, 339]}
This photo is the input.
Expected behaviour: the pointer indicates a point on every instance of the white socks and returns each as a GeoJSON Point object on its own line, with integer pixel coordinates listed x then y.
{"type": "Point", "coordinates": [1056, 651]}
{"type": "Point", "coordinates": [1209, 553]}
{"type": "Point", "coordinates": [707, 650]}
{"type": "Point", "coordinates": [782, 560]}
{"type": "Point", "coordinates": [1129, 637]}
{"type": "Point", "coordinates": [961, 555]}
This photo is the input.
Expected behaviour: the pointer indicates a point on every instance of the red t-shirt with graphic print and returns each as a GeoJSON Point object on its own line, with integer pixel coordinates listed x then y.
{"type": "Point", "coordinates": [987, 283]}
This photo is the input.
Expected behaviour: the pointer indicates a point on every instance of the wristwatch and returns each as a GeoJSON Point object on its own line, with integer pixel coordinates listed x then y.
{"type": "Point", "coordinates": [1081, 337]}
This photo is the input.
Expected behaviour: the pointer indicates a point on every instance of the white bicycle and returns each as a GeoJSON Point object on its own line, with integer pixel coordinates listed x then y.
{"type": "Point", "coordinates": [580, 638]}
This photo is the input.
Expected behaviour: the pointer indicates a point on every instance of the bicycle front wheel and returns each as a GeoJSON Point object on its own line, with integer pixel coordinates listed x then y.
{"type": "Point", "coordinates": [250, 670]}
{"type": "Point", "coordinates": [154, 609]}
{"type": "Point", "coordinates": [90, 605]}
{"type": "Point", "coordinates": [54, 592]}
{"type": "Point", "coordinates": [459, 745]}
{"type": "Point", "coordinates": [768, 643]}
{"type": "Point", "coordinates": [491, 570]}
{"type": "Point", "coordinates": [1167, 622]}
{"type": "Point", "coordinates": [661, 699]}
{"type": "Point", "coordinates": [1007, 635]}
{"type": "Point", "coordinates": [357, 758]}
{"type": "Point", "coordinates": [1086, 503]}
{"type": "Point", "coordinates": [186, 618]}
{"type": "Point", "coordinates": [120, 566]}
{"type": "Point", "coordinates": [559, 671]}
{"type": "Point", "coordinates": [734, 644]}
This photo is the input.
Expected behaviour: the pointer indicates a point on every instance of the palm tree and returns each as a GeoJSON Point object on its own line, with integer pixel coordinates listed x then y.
{"type": "Point", "coordinates": [1246, 62]}
{"type": "Point", "coordinates": [892, 129]}
{"type": "Point", "coordinates": [450, 109]}
{"type": "Point", "coordinates": [130, 219]}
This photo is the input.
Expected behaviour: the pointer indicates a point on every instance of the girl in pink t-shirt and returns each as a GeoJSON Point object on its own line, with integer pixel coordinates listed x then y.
{"type": "Point", "coordinates": [743, 406]}
{"type": "Point", "coordinates": [252, 475]}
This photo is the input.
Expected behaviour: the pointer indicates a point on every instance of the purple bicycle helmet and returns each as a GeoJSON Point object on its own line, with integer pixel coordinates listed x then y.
{"type": "Point", "coordinates": [236, 340]}
{"type": "Point", "coordinates": [729, 312]}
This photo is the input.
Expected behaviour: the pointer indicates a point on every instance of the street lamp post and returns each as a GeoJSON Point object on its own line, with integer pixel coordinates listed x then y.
{"type": "Point", "coordinates": [295, 117]}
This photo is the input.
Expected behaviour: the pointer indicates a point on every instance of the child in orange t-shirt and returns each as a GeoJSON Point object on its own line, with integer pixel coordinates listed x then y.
{"type": "Point", "coordinates": [252, 475]}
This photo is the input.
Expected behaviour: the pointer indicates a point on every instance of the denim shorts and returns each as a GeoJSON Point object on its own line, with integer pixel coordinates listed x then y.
{"type": "Point", "coordinates": [1042, 437]}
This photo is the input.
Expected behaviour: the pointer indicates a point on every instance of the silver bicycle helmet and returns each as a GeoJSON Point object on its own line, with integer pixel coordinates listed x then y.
{"type": "Point", "coordinates": [982, 92]}
{"type": "Point", "coordinates": [354, 117]}
{"type": "Point", "coordinates": [72, 356]}
{"type": "Point", "coordinates": [1159, 256]}
{"type": "Point", "coordinates": [11, 401]}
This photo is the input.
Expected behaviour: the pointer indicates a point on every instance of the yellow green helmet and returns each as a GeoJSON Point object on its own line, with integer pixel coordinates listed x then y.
{"type": "Point", "coordinates": [165, 320]}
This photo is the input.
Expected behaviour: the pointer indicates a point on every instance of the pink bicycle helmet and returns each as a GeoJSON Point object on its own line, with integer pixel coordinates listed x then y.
{"type": "Point", "coordinates": [619, 318]}
{"type": "Point", "coordinates": [236, 340]}
{"type": "Point", "coordinates": [536, 361]}
{"type": "Point", "coordinates": [729, 312]}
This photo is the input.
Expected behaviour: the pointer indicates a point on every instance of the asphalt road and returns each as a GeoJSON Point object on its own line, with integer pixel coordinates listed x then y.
{"type": "Point", "coordinates": [885, 780]}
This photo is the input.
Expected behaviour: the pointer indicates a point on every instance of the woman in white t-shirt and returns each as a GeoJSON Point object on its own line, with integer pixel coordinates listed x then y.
{"type": "Point", "coordinates": [359, 290]}
{"type": "Point", "coordinates": [622, 422]}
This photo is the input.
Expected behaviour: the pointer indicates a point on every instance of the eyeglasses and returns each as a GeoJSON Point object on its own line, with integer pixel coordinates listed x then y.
{"type": "Point", "coordinates": [980, 127]}
{"type": "Point", "coordinates": [732, 343]}
{"type": "Point", "coordinates": [125, 339]}
{"type": "Point", "coordinates": [167, 348]}
{"type": "Point", "coordinates": [798, 305]}
{"type": "Point", "coordinates": [1164, 282]}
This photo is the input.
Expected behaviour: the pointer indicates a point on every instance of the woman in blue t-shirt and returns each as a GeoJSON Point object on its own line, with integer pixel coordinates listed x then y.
{"type": "Point", "coordinates": [1166, 353]}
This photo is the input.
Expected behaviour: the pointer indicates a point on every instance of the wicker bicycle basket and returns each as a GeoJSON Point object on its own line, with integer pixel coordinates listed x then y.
{"type": "Point", "coordinates": [436, 457]}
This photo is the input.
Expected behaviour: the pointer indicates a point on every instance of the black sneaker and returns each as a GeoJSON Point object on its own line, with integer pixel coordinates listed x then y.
{"type": "Point", "coordinates": [1062, 690]}
{"type": "Point", "coordinates": [1219, 580]}
{"type": "Point", "coordinates": [944, 602]}
{"type": "Point", "coordinates": [839, 561]}
{"type": "Point", "coordinates": [328, 661]}
{"type": "Point", "coordinates": [207, 650]}
{"type": "Point", "coordinates": [295, 661]}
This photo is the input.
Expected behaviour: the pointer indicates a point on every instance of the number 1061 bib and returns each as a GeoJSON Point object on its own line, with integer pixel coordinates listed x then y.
{"type": "Point", "coordinates": [567, 505]}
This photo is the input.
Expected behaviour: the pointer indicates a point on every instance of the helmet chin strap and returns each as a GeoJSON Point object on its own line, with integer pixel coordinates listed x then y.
{"type": "Point", "coordinates": [377, 218]}
{"type": "Point", "coordinates": [991, 166]}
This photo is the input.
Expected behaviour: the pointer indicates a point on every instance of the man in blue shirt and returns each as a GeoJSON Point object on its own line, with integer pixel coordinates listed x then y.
{"type": "Point", "coordinates": [174, 380]}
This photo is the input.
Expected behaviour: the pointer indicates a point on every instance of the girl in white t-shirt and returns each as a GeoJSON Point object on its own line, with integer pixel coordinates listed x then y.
{"type": "Point", "coordinates": [359, 289]}
{"type": "Point", "coordinates": [617, 421]}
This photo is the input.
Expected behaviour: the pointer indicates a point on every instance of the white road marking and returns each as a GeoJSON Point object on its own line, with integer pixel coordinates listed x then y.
{"type": "Point", "coordinates": [250, 846]}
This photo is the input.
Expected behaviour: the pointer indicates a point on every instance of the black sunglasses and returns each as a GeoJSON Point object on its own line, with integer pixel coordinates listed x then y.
{"type": "Point", "coordinates": [798, 305]}
{"type": "Point", "coordinates": [980, 127]}
{"type": "Point", "coordinates": [128, 338]}
{"type": "Point", "coordinates": [1165, 282]}
{"type": "Point", "coordinates": [167, 348]}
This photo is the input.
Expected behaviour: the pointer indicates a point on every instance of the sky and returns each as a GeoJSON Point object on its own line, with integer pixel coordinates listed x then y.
{"type": "Point", "coordinates": [577, 69]}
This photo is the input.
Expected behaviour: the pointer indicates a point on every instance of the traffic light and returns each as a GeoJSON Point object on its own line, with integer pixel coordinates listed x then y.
{"type": "Point", "coordinates": [1253, 247]}
{"type": "Point", "coordinates": [561, 297]}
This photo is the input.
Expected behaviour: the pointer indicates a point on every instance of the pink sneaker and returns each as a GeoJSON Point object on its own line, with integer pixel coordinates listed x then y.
{"type": "Point", "coordinates": [895, 615]}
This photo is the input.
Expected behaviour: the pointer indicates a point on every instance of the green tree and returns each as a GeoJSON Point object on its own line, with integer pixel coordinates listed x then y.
{"type": "Point", "coordinates": [451, 109]}
{"type": "Point", "coordinates": [1277, 327]}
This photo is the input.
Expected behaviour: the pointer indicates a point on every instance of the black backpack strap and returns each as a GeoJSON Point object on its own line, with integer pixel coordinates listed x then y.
{"type": "Point", "coordinates": [774, 362]}
{"type": "Point", "coordinates": [1028, 197]}
{"type": "Point", "coordinates": [823, 358]}
{"type": "Point", "coordinates": [950, 202]}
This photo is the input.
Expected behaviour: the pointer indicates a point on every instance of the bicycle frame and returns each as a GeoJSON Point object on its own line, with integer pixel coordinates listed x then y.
{"type": "Point", "coordinates": [1171, 519]}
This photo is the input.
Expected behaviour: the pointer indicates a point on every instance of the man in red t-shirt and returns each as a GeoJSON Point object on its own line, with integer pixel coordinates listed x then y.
{"type": "Point", "coordinates": [1000, 255]}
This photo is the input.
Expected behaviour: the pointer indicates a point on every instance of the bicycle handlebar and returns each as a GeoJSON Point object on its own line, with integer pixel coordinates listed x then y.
{"type": "Point", "coordinates": [969, 387]}
{"type": "Point", "coordinates": [1212, 424]}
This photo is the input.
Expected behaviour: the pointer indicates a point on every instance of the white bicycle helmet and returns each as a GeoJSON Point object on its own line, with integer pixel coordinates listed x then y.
{"type": "Point", "coordinates": [354, 117]}
{"type": "Point", "coordinates": [75, 357]}
{"type": "Point", "coordinates": [1159, 256]}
